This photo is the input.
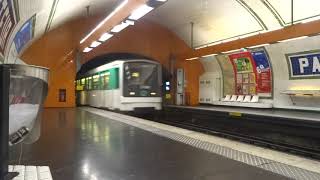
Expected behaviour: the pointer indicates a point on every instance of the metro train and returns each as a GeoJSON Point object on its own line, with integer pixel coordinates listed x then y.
{"type": "Point", "coordinates": [125, 85]}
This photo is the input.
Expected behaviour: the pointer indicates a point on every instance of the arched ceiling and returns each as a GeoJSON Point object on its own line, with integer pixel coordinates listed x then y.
{"type": "Point", "coordinates": [216, 20]}
{"type": "Point", "coordinates": [213, 20]}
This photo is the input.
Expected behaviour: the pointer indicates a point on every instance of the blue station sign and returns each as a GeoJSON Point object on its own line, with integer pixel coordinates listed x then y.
{"type": "Point", "coordinates": [304, 65]}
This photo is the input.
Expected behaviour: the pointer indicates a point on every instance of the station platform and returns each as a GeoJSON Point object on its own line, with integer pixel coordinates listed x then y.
{"type": "Point", "coordinates": [93, 144]}
{"type": "Point", "coordinates": [277, 113]}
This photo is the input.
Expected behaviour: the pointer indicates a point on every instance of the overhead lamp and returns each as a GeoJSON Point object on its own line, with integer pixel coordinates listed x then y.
{"type": "Point", "coordinates": [209, 55]}
{"type": "Point", "coordinates": [122, 26]}
{"type": "Point", "coordinates": [310, 19]}
{"type": "Point", "coordinates": [95, 44]}
{"type": "Point", "coordinates": [87, 49]}
{"type": "Point", "coordinates": [231, 51]}
{"type": "Point", "coordinates": [105, 19]}
{"type": "Point", "coordinates": [260, 45]}
{"type": "Point", "coordinates": [190, 59]}
{"type": "Point", "coordinates": [105, 37]}
{"type": "Point", "coordinates": [200, 47]}
{"type": "Point", "coordinates": [292, 39]}
{"type": "Point", "coordinates": [140, 12]}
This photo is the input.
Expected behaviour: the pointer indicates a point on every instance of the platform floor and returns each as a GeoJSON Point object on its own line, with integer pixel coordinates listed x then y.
{"type": "Point", "coordinates": [83, 143]}
{"type": "Point", "coordinates": [282, 113]}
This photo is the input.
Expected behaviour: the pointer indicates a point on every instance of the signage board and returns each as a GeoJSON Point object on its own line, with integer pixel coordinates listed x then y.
{"type": "Point", "coordinates": [24, 35]}
{"type": "Point", "coordinates": [7, 23]}
{"type": "Point", "coordinates": [304, 65]}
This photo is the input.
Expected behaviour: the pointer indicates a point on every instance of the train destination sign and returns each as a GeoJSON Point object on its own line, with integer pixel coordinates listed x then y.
{"type": "Point", "coordinates": [304, 65]}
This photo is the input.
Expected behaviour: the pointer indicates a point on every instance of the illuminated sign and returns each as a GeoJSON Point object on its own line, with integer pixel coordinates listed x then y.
{"type": "Point", "coordinates": [7, 23]}
{"type": "Point", "coordinates": [304, 65]}
{"type": "Point", "coordinates": [25, 34]}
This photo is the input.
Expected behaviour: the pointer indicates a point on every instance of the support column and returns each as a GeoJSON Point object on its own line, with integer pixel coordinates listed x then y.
{"type": "Point", "coordinates": [4, 119]}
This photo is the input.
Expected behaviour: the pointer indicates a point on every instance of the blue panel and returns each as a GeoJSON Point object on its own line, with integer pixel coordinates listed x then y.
{"type": "Point", "coordinates": [306, 65]}
{"type": "Point", "coordinates": [24, 35]}
{"type": "Point", "coordinates": [261, 60]}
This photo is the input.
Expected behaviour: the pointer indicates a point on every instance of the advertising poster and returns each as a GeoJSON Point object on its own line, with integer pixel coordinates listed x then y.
{"type": "Point", "coordinates": [243, 66]}
{"type": "Point", "coordinates": [7, 23]}
{"type": "Point", "coordinates": [24, 35]}
{"type": "Point", "coordinates": [263, 72]}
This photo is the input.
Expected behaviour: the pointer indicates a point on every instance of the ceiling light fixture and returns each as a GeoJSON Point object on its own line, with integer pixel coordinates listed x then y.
{"type": "Point", "coordinates": [105, 37]}
{"type": "Point", "coordinates": [231, 51]}
{"type": "Point", "coordinates": [95, 44]}
{"type": "Point", "coordinates": [260, 45]}
{"type": "Point", "coordinates": [292, 39]}
{"type": "Point", "coordinates": [209, 55]}
{"type": "Point", "coordinates": [310, 19]}
{"type": "Point", "coordinates": [190, 59]}
{"type": "Point", "coordinates": [140, 12]}
{"type": "Point", "coordinates": [122, 26]}
{"type": "Point", "coordinates": [105, 19]}
{"type": "Point", "coordinates": [87, 49]}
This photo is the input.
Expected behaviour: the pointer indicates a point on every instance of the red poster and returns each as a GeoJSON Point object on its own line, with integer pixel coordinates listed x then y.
{"type": "Point", "coordinates": [244, 68]}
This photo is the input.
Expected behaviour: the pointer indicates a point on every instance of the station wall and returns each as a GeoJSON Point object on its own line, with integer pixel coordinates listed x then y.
{"type": "Point", "coordinates": [56, 51]}
{"type": "Point", "coordinates": [281, 73]}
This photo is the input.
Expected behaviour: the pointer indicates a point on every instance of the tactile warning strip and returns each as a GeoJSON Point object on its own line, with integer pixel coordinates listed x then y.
{"type": "Point", "coordinates": [270, 165]}
{"type": "Point", "coordinates": [31, 172]}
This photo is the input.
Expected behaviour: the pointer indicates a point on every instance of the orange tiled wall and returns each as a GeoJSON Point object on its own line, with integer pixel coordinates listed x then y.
{"type": "Point", "coordinates": [56, 49]}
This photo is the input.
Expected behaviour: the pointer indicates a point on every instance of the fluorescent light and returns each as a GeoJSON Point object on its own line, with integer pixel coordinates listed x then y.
{"type": "Point", "coordinates": [153, 93]}
{"type": "Point", "coordinates": [87, 49]}
{"type": "Point", "coordinates": [200, 47]}
{"type": "Point", "coordinates": [310, 19]}
{"type": "Point", "coordinates": [140, 12]}
{"type": "Point", "coordinates": [105, 37]}
{"type": "Point", "coordinates": [122, 26]}
{"type": "Point", "coordinates": [95, 44]}
{"type": "Point", "coordinates": [292, 39]}
{"type": "Point", "coordinates": [132, 93]}
{"type": "Point", "coordinates": [189, 59]}
{"type": "Point", "coordinates": [231, 51]}
{"type": "Point", "coordinates": [215, 43]}
{"type": "Point", "coordinates": [230, 39]}
{"type": "Point", "coordinates": [105, 19]}
{"type": "Point", "coordinates": [209, 55]}
{"type": "Point", "coordinates": [260, 45]}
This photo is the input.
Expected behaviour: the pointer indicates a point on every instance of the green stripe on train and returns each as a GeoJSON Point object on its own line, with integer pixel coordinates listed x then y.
{"type": "Point", "coordinates": [114, 78]}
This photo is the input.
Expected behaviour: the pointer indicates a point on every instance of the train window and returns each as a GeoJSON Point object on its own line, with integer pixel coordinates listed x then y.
{"type": "Point", "coordinates": [83, 81]}
{"type": "Point", "coordinates": [96, 82]}
{"type": "Point", "coordinates": [105, 80]}
{"type": "Point", "coordinates": [89, 80]}
{"type": "Point", "coordinates": [141, 79]}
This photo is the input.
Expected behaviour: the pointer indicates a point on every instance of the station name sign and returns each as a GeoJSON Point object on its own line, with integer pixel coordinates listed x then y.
{"type": "Point", "coordinates": [304, 65]}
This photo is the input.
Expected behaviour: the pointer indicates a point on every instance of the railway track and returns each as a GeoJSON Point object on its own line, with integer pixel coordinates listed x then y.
{"type": "Point", "coordinates": [289, 148]}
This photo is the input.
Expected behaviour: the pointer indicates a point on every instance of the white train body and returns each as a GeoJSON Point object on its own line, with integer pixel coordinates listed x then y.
{"type": "Point", "coordinates": [125, 85]}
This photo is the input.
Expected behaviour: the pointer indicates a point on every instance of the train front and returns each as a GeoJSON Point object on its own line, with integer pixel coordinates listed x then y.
{"type": "Point", "coordinates": [141, 86]}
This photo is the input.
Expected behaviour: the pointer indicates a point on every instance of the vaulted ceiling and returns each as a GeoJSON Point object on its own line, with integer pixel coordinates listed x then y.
{"type": "Point", "coordinates": [213, 21]}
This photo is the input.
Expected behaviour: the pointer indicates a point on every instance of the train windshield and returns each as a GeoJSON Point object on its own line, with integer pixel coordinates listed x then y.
{"type": "Point", "coordinates": [141, 79]}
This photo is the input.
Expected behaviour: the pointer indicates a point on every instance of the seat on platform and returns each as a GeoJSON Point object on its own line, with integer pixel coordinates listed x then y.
{"type": "Point", "coordinates": [227, 98]}
{"type": "Point", "coordinates": [255, 99]}
{"type": "Point", "coordinates": [240, 98]}
{"type": "Point", "coordinates": [234, 98]}
{"type": "Point", "coordinates": [247, 98]}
